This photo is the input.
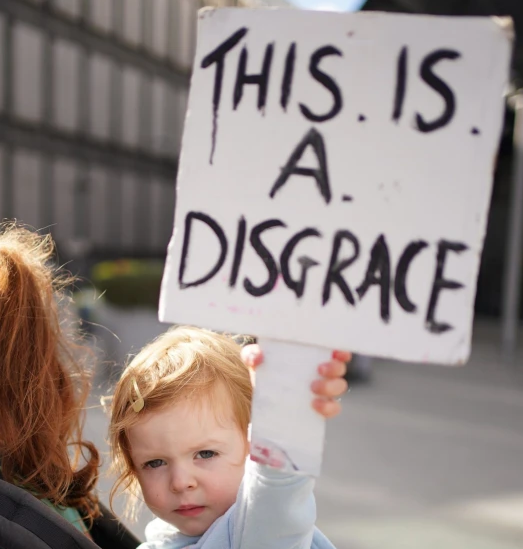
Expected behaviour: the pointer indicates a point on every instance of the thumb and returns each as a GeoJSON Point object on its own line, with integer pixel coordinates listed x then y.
{"type": "Point", "coordinates": [252, 355]}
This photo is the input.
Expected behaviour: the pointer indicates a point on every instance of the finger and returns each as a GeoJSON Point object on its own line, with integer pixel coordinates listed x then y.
{"type": "Point", "coordinates": [326, 407]}
{"type": "Point", "coordinates": [329, 387]}
{"type": "Point", "coordinates": [344, 356]}
{"type": "Point", "coordinates": [252, 355]}
{"type": "Point", "coordinates": [332, 369]}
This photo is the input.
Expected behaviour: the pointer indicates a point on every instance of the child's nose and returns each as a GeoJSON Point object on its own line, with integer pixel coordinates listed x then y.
{"type": "Point", "coordinates": [182, 479]}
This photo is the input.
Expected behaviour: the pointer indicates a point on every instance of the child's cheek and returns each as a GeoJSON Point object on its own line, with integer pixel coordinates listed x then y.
{"type": "Point", "coordinates": [227, 484]}
{"type": "Point", "coordinates": [154, 491]}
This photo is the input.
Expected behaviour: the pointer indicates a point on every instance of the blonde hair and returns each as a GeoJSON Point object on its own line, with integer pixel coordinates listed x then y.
{"type": "Point", "coordinates": [181, 363]}
{"type": "Point", "coordinates": [43, 387]}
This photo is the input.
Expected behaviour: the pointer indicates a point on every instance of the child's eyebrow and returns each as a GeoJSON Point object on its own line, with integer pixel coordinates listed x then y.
{"type": "Point", "coordinates": [205, 444]}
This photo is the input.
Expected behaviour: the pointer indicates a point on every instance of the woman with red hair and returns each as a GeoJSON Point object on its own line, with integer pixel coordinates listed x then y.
{"type": "Point", "coordinates": [43, 382]}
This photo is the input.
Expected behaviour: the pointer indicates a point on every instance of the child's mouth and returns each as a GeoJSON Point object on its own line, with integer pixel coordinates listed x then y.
{"type": "Point", "coordinates": [189, 510]}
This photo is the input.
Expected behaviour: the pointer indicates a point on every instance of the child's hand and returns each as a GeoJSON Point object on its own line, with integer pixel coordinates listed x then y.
{"type": "Point", "coordinates": [328, 388]}
{"type": "Point", "coordinates": [331, 385]}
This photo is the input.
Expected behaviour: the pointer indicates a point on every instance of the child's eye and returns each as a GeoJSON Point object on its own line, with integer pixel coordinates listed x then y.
{"type": "Point", "coordinates": [206, 454]}
{"type": "Point", "coordinates": [153, 464]}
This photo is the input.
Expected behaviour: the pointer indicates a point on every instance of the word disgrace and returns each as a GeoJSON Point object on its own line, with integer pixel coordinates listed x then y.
{"type": "Point", "coordinates": [335, 178]}
{"type": "Point", "coordinates": [378, 271]}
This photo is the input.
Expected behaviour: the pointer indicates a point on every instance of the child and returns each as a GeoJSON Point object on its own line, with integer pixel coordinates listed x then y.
{"type": "Point", "coordinates": [180, 416]}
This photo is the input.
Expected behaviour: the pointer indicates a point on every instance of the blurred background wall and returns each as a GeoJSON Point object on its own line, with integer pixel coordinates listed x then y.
{"type": "Point", "coordinates": [92, 101]}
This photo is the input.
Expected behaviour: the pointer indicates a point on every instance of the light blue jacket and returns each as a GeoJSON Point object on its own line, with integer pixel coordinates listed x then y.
{"type": "Point", "coordinates": [273, 510]}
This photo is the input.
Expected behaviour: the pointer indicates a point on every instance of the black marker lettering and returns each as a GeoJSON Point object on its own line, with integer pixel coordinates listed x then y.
{"type": "Point", "coordinates": [286, 85]}
{"type": "Point", "coordinates": [327, 82]}
{"type": "Point", "coordinates": [261, 80]}
{"type": "Point", "coordinates": [265, 255]}
{"type": "Point", "coordinates": [218, 56]}
{"type": "Point", "coordinates": [401, 84]}
{"type": "Point", "coordinates": [378, 272]}
{"type": "Point", "coordinates": [336, 266]}
{"type": "Point", "coordinates": [400, 288]}
{"type": "Point", "coordinates": [441, 87]}
{"type": "Point", "coordinates": [321, 175]}
{"type": "Point", "coordinates": [297, 286]}
{"type": "Point", "coordinates": [440, 283]}
{"type": "Point", "coordinates": [238, 251]}
{"type": "Point", "coordinates": [218, 231]}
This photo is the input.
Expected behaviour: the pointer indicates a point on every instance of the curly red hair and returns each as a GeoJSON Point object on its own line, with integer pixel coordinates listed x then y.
{"type": "Point", "coordinates": [43, 386]}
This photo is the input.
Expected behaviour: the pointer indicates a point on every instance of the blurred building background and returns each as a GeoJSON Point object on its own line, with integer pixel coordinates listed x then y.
{"type": "Point", "coordinates": [92, 103]}
{"type": "Point", "coordinates": [93, 96]}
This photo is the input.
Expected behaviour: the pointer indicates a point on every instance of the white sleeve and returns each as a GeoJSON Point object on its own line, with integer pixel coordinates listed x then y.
{"type": "Point", "coordinates": [162, 535]}
{"type": "Point", "coordinates": [274, 509]}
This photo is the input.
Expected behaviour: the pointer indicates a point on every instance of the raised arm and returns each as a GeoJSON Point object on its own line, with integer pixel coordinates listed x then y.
{"type": "Point", "coordinates": [276, 508]}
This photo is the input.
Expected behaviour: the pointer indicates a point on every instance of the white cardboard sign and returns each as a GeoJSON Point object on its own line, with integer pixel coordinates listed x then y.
{"type": "Point", "coordinates": [335, 178]}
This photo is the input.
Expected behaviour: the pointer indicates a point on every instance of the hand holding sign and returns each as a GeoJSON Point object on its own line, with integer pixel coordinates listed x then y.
{"type": "Point", "coordinates": [333, 189]}
{"type": "Point", "coordinates": [329, 385]}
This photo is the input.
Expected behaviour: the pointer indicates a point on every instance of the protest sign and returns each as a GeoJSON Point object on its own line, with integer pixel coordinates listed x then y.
{"type": "Point", "coordinates": [335, 178]}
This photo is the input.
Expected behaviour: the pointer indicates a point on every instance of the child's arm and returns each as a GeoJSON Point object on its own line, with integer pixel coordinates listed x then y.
{"type": "Point", "coordinates": [277, 509]}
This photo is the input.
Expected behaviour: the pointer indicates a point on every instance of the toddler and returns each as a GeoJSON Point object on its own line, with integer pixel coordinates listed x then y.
{"type": "Point", "coordinates": [179, 433]}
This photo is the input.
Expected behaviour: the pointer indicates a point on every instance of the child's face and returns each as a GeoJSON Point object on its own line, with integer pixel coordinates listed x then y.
{"type": "Point", "coordinates": [189, 461]}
